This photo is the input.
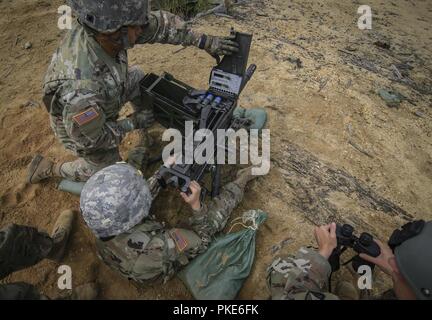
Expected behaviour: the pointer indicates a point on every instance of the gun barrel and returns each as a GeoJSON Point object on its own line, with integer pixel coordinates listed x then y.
{"type": "Point", "coordinates": [250, 71]}
{"type": "Point", "coordinates": [248, 75]}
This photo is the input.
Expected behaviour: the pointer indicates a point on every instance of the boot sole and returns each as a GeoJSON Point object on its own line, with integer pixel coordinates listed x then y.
{"type": "Point", "coordinates": [68, 216]}
{"type": "Point", "coordinates": [32, 168]}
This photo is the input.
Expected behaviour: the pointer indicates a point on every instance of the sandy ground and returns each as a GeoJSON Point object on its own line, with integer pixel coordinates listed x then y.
{"type": "Point", "coordinates": [327, 107]}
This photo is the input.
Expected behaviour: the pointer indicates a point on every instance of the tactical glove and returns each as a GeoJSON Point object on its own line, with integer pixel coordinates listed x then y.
{"type": "Point", "coordinates": [221, 46]}
{"type": "Point", "coordinates": [143, 119]}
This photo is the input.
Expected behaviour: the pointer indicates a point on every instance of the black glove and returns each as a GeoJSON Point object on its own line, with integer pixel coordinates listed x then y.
{"type": "Point", "coordinates": [142, 119]}
{"type": "Point", "coordinates": [221, 46]}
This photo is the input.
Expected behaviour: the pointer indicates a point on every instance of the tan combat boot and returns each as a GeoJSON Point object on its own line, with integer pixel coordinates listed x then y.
{"type": "Point", "coordinates": [41, 168]}
{"type": "Point", "coordinates": [60, 235]}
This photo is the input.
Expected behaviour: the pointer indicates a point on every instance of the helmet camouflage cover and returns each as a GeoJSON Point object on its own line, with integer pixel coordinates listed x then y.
{"type": "Point", "coordinates": [114, 200]}
{"type": "Point", "coordinates": [107, 16]}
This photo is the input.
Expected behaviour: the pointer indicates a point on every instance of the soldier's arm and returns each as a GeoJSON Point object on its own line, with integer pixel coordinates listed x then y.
{"type": "Point", "coordinates": [213, 217]}
{"type": "Point", "coordinates": [154, 185]}
{"type": "Point", "coordinates": [86, 124]}
{"type": "Point", "coordinates": [304, 276]}
{"type": "Point", "coordinates": [165, 27]}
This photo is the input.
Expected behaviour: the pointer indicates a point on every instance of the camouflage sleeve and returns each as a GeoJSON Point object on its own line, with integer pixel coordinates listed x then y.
{"type": "Point", "coordinates": [304, 276]}
{"type": "Point", "coordinates": [165, 27]}
{"type": "Point", "coordinates": [154, 185]}
{"type": "Point", "coordinates": [213, 217]}
{"type": "Point", "coordinates": [86, 124]}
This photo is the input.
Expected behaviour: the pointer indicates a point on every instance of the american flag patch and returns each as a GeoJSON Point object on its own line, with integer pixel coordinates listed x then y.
{"type": "Point", "coordinates": [179, 240]}
{"type": "Point", "coordinates": [85, 116]}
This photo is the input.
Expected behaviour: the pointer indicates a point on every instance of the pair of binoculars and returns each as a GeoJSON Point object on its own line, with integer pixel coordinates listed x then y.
{"type": "Point", "coordinates": [362, 244]}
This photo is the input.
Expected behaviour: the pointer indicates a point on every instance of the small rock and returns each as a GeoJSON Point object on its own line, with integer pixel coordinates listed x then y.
{"type": "Point", "coordinates": [295, 60]}
{"type": "Point", "coordinates": [28, 45]}
{"type": "Point", "coordinates": [382, 44]}
{"type": "Point", "coordinates": [404, 66]}
{"type": "Point", "coordinates": [392, 98]}
{"type": "Point", "coordinates": [31, 104]}
{"type": "Point", "coordinates": [419, 114]}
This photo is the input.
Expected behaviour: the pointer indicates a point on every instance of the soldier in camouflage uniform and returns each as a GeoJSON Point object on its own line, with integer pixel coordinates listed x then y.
{"type": "Point", "coordinates": [115, 204]}
{"type": "Point", "coordinates": [22, 247]}
{"type": "Point", "coordinates": [305, 276]}
{"type": "Point", "coordinates": [89, 80]}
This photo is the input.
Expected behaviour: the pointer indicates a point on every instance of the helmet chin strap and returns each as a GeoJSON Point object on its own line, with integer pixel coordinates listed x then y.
{"type": "Point", "coordinates": [125, 38]}
{"type": "Point", "coordinates": [123, 41]}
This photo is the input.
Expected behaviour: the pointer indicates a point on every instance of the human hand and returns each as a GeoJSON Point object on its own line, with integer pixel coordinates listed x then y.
{"type": "Point", "coordinates": [326, 239]}
{"type": "Point", "coordinates": [143, 119]}
{"type": "Point", "coordinates": [383, 260]}
{"type": "Point", "coordinates": [170, 161]}
{"type": "Point", "coordinates": [194, 198]}
{"type": "Point", "coordinates": [221, 46]}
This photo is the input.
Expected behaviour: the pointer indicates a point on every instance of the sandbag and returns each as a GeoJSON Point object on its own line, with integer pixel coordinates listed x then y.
{"type": "Point", "coordinates": [257, 117]}
{"type": "Point", "coordinates": [219, 273]}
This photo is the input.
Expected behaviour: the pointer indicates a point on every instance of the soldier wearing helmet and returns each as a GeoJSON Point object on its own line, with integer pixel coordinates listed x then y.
{"type": "Point", "coordinates": [89, 80]}
{"type": "Point", "coordinates": [115, 204]}
{"type": "Point", "coordinates": [407, 258]}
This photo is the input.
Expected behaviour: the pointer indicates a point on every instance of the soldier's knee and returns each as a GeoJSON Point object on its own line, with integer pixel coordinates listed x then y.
{"type": "Point", "coordinates": [102, 159]}
{"type": "Point", "coordinates": [231, 194]}
{"type": "Point", "coordinates": [234, 189]}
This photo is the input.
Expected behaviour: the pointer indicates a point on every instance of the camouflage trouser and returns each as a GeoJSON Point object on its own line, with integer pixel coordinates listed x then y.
{"type": "Point", "coordinates": [21, 247]}
{"type": "Point", "coordinates": [304, 276]}
{"type": "Point", "coordinates": [89, 163]}
{"type": "Point", "coordinates": [149, 251]}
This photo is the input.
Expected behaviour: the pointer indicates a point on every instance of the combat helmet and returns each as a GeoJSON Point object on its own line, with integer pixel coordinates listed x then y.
{"type": "Point", "coordinates": [107, 16]}
{"type": "Point", "coordinates": [114, 200]}
{"type": "Point", "coordinates": [414, 257]}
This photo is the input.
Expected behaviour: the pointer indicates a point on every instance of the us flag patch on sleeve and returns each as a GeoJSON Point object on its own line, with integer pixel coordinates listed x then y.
{"type": "Point", "coordinates": [86, 116]}
{"type": "Point", "coordinates": [179, 239]}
